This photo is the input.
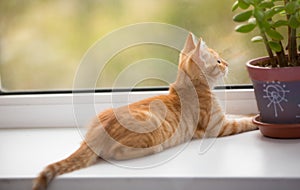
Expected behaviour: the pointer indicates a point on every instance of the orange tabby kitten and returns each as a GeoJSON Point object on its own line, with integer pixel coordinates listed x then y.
{"type": "Point", "coordinates": [190, 110]}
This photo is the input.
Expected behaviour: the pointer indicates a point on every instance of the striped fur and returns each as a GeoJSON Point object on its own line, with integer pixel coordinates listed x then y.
{"type": "Point", "coordinates": [190, 110]}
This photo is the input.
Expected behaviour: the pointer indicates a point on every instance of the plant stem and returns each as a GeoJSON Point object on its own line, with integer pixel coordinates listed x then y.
{"type": "Point", "coordinates": [270, 53]}
{"type": "Point", "coordinates": [292, 46]}
{"type": "Point", "coordinates": [292, 43]}
{"type": "Point", "coordinates": [282, 61]}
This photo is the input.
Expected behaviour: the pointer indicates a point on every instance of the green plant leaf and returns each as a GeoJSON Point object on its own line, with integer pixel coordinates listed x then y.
{"type": "Point", "coordinates": [298, 16]}
{"type": "Point", "coordinates": [245, 28]}
{"type": "Point", "coordinates": [264, 25]}
{"type": "Point", "coordinates": [270, 13]}
{"type": "Point", "coordinates": [293, 22]}
{"type": "Point", "coordinates": [274, 34]}
{"type": "Point", "coordinates": [255, 2]}
{"type": "Point", "coordinates": [280, 23]}
{"type": "Point", "coordinates": [235, 6]}
{"type": "Point", "coordinates": [243, 4]}
{"type": "Point", "coordinates": [258, 14]}
{"type": "Point", "coordinates": [257, 39]}
{"type": "Point", "coordinates": [243, 16]}
{"type": "Point", "coordinates": [291, 7]}
{"type": "Point", "coordinates": [279, 9]}
{"type": "Point", "coordinates": [275, 46]}
{"type": "Point", "coordinates": [266, 4]}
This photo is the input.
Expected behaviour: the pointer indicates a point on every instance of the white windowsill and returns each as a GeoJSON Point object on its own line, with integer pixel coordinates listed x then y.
{"type": "Point", "coordinates": [245, 161]}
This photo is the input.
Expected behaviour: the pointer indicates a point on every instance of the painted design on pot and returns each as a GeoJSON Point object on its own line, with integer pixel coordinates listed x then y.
{"type": "Point", "coordinates": [298, 116]}
{"type": "Point", "coordinates": [276, 93]}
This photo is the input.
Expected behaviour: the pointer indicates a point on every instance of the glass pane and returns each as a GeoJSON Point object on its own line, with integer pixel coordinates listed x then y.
{"type": "Point", "coordinates": [43, 42]}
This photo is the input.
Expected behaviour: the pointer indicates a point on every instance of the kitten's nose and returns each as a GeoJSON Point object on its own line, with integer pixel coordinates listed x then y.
{"type": "Point", "coordinates": [225, 63]}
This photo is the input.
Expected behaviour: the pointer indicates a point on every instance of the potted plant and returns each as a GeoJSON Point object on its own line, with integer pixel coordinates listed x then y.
{"type": "Point", "coordinates": [276, 78]}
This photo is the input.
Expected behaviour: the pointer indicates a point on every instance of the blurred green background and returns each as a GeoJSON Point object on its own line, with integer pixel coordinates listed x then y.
{"type": "Point", "coordinates": [43, 42]}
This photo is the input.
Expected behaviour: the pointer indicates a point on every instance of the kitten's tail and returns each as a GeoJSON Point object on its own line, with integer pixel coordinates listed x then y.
{"type": "Point", "coordinates": [83, 157]}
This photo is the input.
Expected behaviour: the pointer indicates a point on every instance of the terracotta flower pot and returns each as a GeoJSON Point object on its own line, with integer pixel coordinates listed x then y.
{"type": "Point", "coordinates": [277, 92]}
{"type": "Point", "coordinates": [283, 131]}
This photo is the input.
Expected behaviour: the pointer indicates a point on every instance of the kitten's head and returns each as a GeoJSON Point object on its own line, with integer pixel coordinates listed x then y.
{"type": "Point", "coordinates": [200, 62]}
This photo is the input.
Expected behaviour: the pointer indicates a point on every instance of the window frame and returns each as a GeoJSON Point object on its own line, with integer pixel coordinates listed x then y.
{"type": "Point", "coordinates": [55, 109]}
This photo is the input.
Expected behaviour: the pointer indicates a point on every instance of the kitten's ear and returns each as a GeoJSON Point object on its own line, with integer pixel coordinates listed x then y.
{"type": "Point", "coordinates": [196, 54]}
{"type": "Point", "coordinates": [189, 44]}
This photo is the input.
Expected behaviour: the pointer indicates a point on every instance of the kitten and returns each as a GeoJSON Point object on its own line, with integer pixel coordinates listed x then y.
{"type": "Point", "coordinates": [190, 110]}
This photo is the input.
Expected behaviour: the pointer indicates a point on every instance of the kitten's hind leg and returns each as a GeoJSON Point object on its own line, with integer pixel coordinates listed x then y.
{"type": "Point", "coordinates": [122, 152]}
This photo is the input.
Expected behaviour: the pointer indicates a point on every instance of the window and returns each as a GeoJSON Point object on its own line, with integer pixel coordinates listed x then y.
{"type": "Point", "coordinates": [43, 42]}
{"type": "Point", "coordinates": [42, 45]}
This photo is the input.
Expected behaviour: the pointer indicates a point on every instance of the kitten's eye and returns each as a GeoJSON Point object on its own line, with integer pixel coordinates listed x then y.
{"type": "Point", "coordinates": [219, 61]}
